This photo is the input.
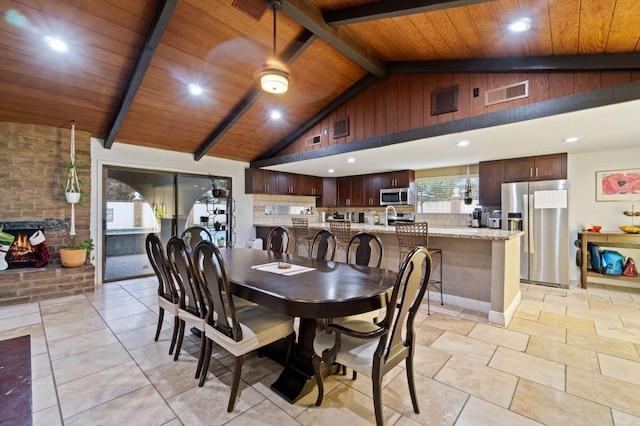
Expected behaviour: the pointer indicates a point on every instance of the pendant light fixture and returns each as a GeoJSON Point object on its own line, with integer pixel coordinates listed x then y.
{"type": "Point", "coordinates": [273, 76]}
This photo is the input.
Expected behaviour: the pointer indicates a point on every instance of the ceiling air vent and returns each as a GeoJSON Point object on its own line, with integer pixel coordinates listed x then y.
{"type": "Point", "coordinates": [507, 93]}
{"type": "Point", "coordinates": [252, 8]}
{"type": "Point", "coordinates": [312, 140]}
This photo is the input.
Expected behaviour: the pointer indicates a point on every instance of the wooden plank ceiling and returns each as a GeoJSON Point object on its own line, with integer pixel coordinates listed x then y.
{"type": "Point", "coordinates": [125, 77]}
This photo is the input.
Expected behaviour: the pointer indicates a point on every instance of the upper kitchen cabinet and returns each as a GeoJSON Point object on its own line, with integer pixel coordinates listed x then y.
{"type": "Point", "coordinates": [329, 193]}
{"type": "Point", "coordinates": [371, 185]}
{"type": "Point", "coordinates": [397, 179]}
{"type": "Point", "coordinates": [260, 181]}
{"type": "Point", "coordinates": [350, 192]}
{"type": "Point", "coordinates": [542, 167]}
{"type": "Point", "coordinates": [491, 178]}
{"type": "Point", "coordinates": [287, 183]}
{"type": "Point", "coordinates": [309, 185]}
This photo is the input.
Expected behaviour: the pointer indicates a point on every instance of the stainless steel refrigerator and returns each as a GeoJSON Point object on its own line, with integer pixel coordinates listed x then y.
{"type": "Point", "coordinates": [540, 209]}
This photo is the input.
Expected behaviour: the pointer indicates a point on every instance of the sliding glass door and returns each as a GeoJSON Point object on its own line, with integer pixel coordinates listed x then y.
{"type": "Point", "coordinates": [137, 202]}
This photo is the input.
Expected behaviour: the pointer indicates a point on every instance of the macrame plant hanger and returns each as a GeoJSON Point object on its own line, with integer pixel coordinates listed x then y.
{"type": "Point", "coordinates": [73, 185]}
{"type": "Point", "coordinates": [468, 198]}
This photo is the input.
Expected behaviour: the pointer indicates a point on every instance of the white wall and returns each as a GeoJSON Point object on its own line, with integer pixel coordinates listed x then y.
{"type": "Point", "coordinates": [583, 207]}
{"type": "Point", "coordinates": [155, 159]}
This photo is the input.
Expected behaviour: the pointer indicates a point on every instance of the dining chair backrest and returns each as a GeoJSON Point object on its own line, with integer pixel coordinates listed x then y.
{"type": "Point", "coordinates": [213, 279]}
{"type": "Point", "coordinates": [324, 245]}
{"type": "Point", "coordinates": [278, 240]}
{"type": "Point", "coordinates": [191, 299]}
{"type": "Point", "coordinates": [196, 234]}
{"type": "Point", "coordinates": [160, 264]}
{"type": "Point", "coordinates": [365, 249]}
{"type": "Point", "coordinates": [408, 291]}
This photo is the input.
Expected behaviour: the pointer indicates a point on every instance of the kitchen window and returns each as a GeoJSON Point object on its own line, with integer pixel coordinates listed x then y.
{"type": "Point", "coordinates": [445, 194]}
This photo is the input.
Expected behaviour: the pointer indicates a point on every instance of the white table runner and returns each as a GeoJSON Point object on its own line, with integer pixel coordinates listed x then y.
{"type": "Point", "coordinates": [273, 267]}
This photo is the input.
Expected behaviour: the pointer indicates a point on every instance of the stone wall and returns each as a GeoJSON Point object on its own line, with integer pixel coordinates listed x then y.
{"type": "Point", "coordinates": [31, 189]}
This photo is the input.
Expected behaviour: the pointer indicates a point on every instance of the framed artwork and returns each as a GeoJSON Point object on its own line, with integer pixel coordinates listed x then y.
{"type": "Point", "coordinates": [618, 185]}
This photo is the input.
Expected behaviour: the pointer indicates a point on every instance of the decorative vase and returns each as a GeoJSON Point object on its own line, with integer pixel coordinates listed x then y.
{"type": "Point", "coordinates": [72, 258]}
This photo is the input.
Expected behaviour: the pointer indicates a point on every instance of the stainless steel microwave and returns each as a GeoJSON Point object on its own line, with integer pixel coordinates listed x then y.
{"type": "Point", "coordinates": [396, 196]}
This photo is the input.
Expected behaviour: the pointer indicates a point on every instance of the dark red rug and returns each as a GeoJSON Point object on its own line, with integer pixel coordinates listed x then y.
{"type": "Point", "coordinates": [15, 381]}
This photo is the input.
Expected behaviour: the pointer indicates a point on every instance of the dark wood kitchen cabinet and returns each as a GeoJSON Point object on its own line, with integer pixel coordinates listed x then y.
{"type": "Point", "coordinates": [350, 192]}
{"type": "Point", "coordinates": [287, 183]}
{"type": "Point", "coordinates": [371, 185]}
{"type": "Point", "coordinates": [491, 178]}
{"type": "Point", "coordinates": [329, 193]}
{"type": "Point", "coordinates": [260, 181]}
{"type": "Point", "coordinates": [309, 185]}
{"type": "Point", "coordinates": [542, 167]}
{"type": "Point", "coordinates": [397, 179]}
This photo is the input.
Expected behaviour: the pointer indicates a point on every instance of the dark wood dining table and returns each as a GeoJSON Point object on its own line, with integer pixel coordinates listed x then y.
{"type": "Point", "coordinates": [330, 290]}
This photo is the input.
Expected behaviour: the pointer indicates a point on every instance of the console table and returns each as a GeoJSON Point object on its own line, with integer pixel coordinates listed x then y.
{"type": "Point", "coordinates": [608, 239]}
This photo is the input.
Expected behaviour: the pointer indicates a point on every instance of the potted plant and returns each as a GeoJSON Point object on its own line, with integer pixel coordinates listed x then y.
{"type": "Point", "coordinates": [75, 253]}
{"type": "Point", "coordinates": [73, 184]}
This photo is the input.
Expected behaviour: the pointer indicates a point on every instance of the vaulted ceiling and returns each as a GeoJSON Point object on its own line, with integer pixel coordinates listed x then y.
{"type": "Point", "coordinates": [125, 76]}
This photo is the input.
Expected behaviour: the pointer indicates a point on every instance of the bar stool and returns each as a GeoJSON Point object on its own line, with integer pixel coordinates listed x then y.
{"type": "Point", "coordinates": [341, 229]}
{"type": "Point", "coordinates": [413, 234]}
{"type": "Point", "coordinates": [301, 233]}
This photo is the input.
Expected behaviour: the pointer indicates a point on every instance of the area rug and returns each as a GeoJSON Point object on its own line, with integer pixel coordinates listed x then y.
{"type": "Point", "coordinates": [15, 381]}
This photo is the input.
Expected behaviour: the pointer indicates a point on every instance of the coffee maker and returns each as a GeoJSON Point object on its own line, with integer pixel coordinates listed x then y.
{"type": "Point", "coordinates": [476, 218]}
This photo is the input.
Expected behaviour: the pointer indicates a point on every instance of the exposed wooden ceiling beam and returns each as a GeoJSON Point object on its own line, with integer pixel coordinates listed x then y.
{"type": "Point", "coordinates": [310, 17]}
{"type": "Point", "coordinates": [390, 9]}
{"type": "Point", "coordinates": [159, 24]}
{"type": "Point", "coordinates": [356, 88]}
{"type": "Point", "coordinates": [293, 51]}
{"type": "Point", "coordinates": [598, 98]}
{"type": "Point", "coordinates": [608, 62]}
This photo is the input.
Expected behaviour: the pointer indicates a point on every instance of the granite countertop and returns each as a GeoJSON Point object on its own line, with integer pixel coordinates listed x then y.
{"type": "Point", "coordinates": [462, 233]}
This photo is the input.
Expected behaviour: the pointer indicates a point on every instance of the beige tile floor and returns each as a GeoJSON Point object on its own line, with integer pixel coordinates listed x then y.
{"type": "Point", "coordinates": [569, 357]}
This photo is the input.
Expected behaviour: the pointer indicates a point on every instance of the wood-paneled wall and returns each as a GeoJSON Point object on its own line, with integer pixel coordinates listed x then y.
{"type": "Point", "coordinates": [403, 101]}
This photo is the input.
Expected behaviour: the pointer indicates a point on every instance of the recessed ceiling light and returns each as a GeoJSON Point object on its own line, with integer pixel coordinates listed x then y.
{"type": "Point", "coordinates": [276, 115]}
{"type": "Point", "coordinates": [462, 143]}
{"type": "Point", "coordinates": [351, 160]}
{"type": "Point", "coordinates": [520, 25]}
{"type": "Point", "coordinates": [572, 139]}
{"type": "Point", "coordinates": [194, 89]}
{"type": "Point", "coordinates": [331, 170]}
{"type": "Point", "coordinates": [56, 44]}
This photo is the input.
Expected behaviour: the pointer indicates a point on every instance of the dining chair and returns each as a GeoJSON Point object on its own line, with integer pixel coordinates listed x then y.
{"type": "Point", "coordinates": [375, 349]}
{"type": "Point", "coordinates": [323, 246]}
{"type": "Point", "coordinates": [341, 228]}
{"type": "Point", "coordinates": [301, 233]}
{"type": "Point", "coordinates": [413, 234]}
{"type": "Point", "coordinates": [192, 308]}
{"type": "Point", "coordinates": [278, 240]}
{"type": "Point", "coordinates": [367, 250]}
{"type": "Point", "coordinates": [237, 331]}
{"type": "Point", "coordinates": [168, 296]}
{"type": "Point", "coordinates": [195, 234]}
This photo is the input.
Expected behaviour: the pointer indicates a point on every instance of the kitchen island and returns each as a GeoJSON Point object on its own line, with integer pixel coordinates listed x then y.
{"type": "Point", "coordinates": [480, 270]}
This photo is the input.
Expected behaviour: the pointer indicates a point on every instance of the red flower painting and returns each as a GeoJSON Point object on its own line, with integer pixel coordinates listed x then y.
{"type": "Point", "coordinates": [619, 185]}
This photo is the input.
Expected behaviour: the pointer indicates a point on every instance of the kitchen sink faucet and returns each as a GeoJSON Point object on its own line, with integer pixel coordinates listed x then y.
{"type": "Point", "coordinates": [386, 214]}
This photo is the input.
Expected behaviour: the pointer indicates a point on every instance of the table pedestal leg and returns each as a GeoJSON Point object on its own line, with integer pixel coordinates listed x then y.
{"type": "Point", "coordinates": [297, 378]}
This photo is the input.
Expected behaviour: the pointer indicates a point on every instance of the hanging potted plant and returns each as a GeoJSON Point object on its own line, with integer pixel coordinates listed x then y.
{"type": "Point", "coordinates": [75, 253]}
{"type": "Point", "coordinates": [73, 184]}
